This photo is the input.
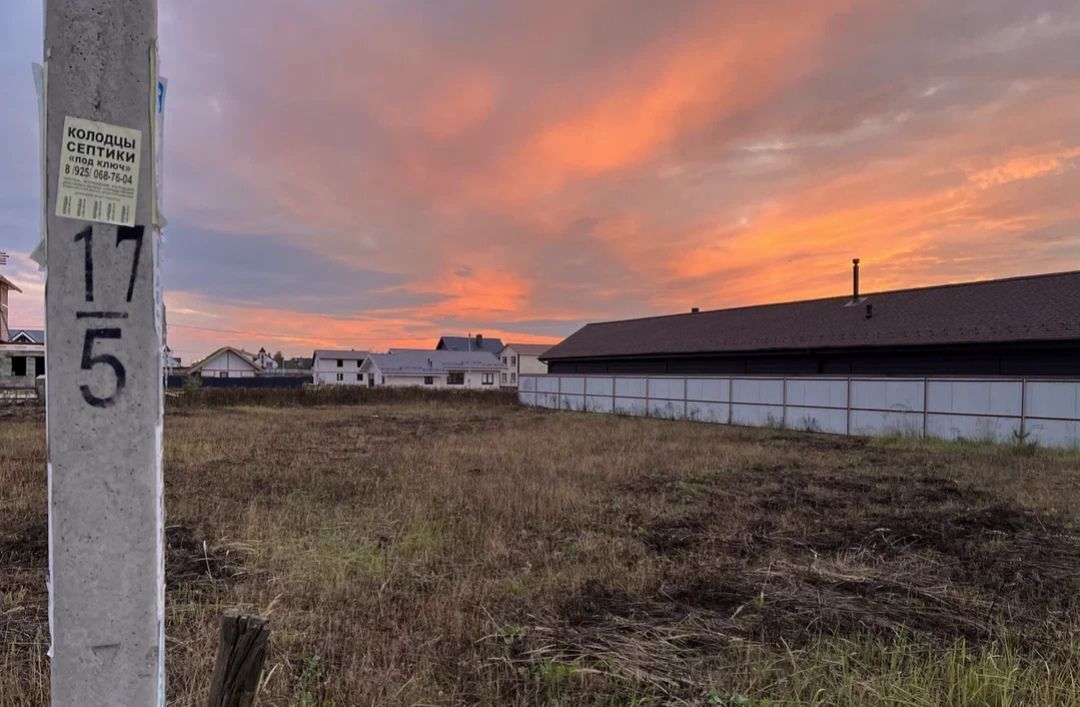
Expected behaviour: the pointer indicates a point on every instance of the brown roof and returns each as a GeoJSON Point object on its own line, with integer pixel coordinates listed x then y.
{"type": "Point", "coordinates": [1019, 309]}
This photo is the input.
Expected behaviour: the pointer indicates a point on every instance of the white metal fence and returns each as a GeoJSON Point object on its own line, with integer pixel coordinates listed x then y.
{"type": "Point", "coordinates": [998, 409]}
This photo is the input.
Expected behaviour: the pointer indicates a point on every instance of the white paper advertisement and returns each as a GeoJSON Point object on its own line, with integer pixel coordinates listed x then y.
{"type": "Point", "coordinates": [99, 172]}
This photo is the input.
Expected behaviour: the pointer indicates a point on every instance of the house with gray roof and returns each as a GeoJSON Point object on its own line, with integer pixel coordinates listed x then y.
{"type": "Point", "coordinates": [226, 362]}
{"type": "Point", "coordinates": [433, 369]}
{"type": "Point", "coordinates": [469, 343]}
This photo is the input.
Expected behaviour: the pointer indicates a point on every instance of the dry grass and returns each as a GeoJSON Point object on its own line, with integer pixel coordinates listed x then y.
{"type": "Point", "coordinates": [452, 551]}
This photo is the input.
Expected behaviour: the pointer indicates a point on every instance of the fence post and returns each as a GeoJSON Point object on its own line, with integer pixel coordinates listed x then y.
{"type": "Point", "coordinates": [783, 408]}
{"type": "Point", "coordinates": [685, 405]}
{"type": "Point", "coordinates": [847, 408]}
{"type": "Point", "coordinates": [244, 640]}
{"type": "Point", "coordinates": [1023, 408]}
{"type": "Point", "coordinates": [730, 399]}
{"type": "Point", "coordinates": [925, 406]}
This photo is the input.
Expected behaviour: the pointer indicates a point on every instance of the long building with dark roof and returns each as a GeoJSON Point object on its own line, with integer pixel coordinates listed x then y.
{"type": "Point", "coordinates": [1020, 326]}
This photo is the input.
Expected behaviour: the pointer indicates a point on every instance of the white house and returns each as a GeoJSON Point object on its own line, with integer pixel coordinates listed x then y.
{"type": "Point", "coordinates": [334, 367]}
{"type": "Point", "coordinates": [521, 358]}
{"type": "Point", "coordinates": [22, 354]}
{"type": "Point", "coordinates": [6, 286]}
{"type": "Point", "coordinates": [265, 360]}
{"type": "Point", "coordinates": [433, 369]}
{"type": "Point", "coordinates": [226, 362]}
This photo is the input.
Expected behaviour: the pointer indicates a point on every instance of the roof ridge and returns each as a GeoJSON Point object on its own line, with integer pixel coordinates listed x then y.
{"type": "Point", "coordinates": [784, 303]}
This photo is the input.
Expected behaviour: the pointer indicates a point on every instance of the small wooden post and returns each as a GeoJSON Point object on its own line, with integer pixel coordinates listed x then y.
{"type": "Point", "coordinates": [244, 641]}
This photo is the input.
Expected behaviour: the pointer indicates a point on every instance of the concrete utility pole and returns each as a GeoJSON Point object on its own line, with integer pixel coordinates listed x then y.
{"type": "Point", "coordinates": [104, 397]}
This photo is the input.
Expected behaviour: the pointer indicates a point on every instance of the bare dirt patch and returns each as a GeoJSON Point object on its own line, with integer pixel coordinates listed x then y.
{"type": "Point", "coordinates": [785, 557]}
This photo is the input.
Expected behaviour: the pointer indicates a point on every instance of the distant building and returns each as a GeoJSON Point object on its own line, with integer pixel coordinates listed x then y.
{"type": "Point", "coordinates": [27, 336]}
{"type": "Point", "coordinates": [265, 360]}
{"type": "Point", "coordinates": [226, 362]}
{"type": "Point", "coordinates": [1020, 326]}
{"type": "Point", "coordinates": [6, 286]}
{"type": "Point", "coordinates": [21, 364]}
{"type": "Point", "coordinates": [469, 343]}
{"type": "Point", "coordinates": [169, 359]}
{"type": "Point", "coordinates": [432, 369]}
{"type": "Point", "coordinates": [521, 358]}
{"type": "Point", "coordinates": [22, 351]}
{"type": "Point", "coordinates": [337, 367]}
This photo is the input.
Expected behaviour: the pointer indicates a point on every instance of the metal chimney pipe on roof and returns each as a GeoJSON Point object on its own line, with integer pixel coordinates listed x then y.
{"type": "Point", "coordinates": [855, 280]}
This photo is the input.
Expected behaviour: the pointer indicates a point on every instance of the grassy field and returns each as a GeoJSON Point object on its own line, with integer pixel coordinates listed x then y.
{"type": "Point", "coordinates": [448, 551]}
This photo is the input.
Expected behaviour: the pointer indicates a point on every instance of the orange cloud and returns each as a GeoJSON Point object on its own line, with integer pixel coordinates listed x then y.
{"type": "Point", "coordinates": [479, 293]}
{"type": "Point", "coordinates": [1024, 166]}
{"type": "Point", "coordinates": [712, 72]}
{"type": "Point", "coordinates": [802, 247]}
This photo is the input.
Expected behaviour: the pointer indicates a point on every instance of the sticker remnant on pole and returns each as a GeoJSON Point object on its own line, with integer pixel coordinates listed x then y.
{"type": "Point", "coordinates": [99, 172]}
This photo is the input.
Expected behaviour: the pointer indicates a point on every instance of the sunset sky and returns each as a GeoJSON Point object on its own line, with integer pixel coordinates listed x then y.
{"type": "Point", "coordinates": [367, 174]}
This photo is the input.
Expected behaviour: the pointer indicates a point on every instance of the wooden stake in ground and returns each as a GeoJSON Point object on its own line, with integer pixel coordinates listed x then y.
{"type": "Point", "coordinates": [244, 641]}
{"type": "Point", "coordinates": [103, 330]}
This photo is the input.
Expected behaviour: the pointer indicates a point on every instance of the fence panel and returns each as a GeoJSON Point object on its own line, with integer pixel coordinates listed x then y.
{"type": "Point", "coordinates": [707, 390]}
{"type": "Point", "coordinates": [974, 397]}
{"type": "Point", "coordinates": [667, 397]}
{"type": "Point", "coordinates": [599, 394]}
{"type": "Point", "coordinates": [631, 387]}
{"type": "Point", "coordinates": [1052, 410]}
{"type": "Point", "coordinates": [758, 402]}
{"type": "Point", "coordinates": [1053, 399]}
{"type": "Point", "coordinates": [828, 393]}
{"type": "Point", "coordinates": [600, 386]}
{"type": "Point", "coordinates": [890, 395]}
